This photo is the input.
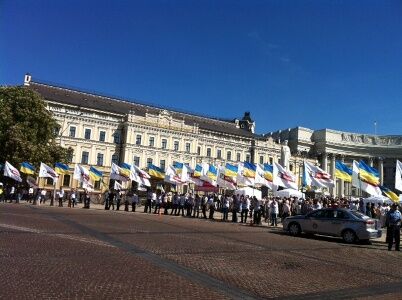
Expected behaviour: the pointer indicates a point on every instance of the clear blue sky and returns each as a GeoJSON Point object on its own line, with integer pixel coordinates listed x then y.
{"type": "Point", "coordinates": [317, 64]}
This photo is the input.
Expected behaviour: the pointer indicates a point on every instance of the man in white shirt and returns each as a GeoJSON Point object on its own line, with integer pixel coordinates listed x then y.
{"type": "Point", "coordinates": [274, 208]}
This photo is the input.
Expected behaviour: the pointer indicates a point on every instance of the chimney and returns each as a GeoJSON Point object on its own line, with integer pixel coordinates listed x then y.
{"type": "Point", "coordinates": [27, 79]}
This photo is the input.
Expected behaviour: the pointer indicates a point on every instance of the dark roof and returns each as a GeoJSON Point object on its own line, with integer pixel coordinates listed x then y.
{"type": "Point", "coordinates": [120, 106]}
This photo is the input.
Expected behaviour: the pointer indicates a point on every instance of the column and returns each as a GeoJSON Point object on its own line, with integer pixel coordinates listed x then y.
{"type": "Point", "coordinates": [371, 161]}
{"type": "Point", "coordinates": [324, 161]}
{"type": "Point", "coordinates": [332, 172]}
{"type": "Point", "coordinates": [341, 181]}
{"type": "Point", "coordinates": [381, 169]}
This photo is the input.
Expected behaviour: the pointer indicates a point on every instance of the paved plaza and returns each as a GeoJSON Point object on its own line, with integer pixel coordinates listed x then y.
{"type": "Point", "coordinates": [51, 252]}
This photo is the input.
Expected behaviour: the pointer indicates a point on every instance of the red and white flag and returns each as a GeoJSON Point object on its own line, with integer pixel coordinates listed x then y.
{"type": "Point", "coordinates": [315, 176]}
{"type": "Point", "coordinates": [12, 172]}
{"type": "Point", "coordinates": [283, 178]}
{"type": "Point", "coordinates": [46, 171]}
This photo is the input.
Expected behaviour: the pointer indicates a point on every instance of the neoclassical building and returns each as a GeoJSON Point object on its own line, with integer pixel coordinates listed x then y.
{"type": "Point", "coordinates": [102, 130]}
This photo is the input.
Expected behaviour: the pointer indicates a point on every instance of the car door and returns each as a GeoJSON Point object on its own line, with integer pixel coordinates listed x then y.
{"type": "Point", "coordinates": [314, 221]}
{"type": "Point", "coordinates": [335, 222]}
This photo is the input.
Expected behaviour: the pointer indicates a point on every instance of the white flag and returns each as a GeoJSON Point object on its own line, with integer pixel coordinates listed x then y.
{"type": "Point", "coordinates": [117, 186]}
{"type": "Point", "coordinates": [398, 176]}
{"type": "Point", "coordinates": [140, 176]}
{"type": "Point", "coordinates": [260, 177]}
{"type": "Point", "coordinates": [315, 176]}
{"type": "Point", "coordinates": [283, 178]}
{"type": "Point", "coordinates": [224, 182]}
{"type": "Point", "coordinates": [118, 174]}
{"type": "Point", "coordinates": [364, 186]}
{"type": "Point", "coordinates": [243, 180]}
{"type": "Point", "coordinates": [46, 171]}
{"type": "Point", "coordinates": [12, 172]}
{"type": "Point", "coordinates": [172, 177]}
{"type": "Point", "coordinates": [81, 174]}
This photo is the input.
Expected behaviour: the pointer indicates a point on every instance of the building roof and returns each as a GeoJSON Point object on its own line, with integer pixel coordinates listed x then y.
{"type": "Point", "coordinates": [120, 106]}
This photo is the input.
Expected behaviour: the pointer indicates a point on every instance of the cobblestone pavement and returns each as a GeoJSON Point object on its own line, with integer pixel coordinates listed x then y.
{"type": "Point", "coordinates": [51, 252]}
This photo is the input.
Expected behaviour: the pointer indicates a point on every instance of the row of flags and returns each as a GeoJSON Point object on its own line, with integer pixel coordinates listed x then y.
{"type": "Point", "coordinates": [228, 176]}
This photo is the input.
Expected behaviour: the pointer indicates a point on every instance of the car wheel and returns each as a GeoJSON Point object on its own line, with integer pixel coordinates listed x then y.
{"type": "Point", "coordinates": [294, 229]}
{"type": "Point", "coordinates": [349, 236]}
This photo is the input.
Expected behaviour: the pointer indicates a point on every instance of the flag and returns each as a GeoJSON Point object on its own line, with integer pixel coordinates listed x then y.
{"type": "Point", "coordinates": [198, 171]}
{"type": "Point", "coordinates": [11, 172]}
{"type": "Point", "coordinates": [398, 176]}
{"type": "Point", "coordinates": [243, 180]}
{"type": "Point", "coordinates": [225, 181]}
{"type": "Point", "coordinates": [46, 171]}
{"type": "Point", "coordinates": [268, 169]}
{"type": "Point", "coordinates": [282, 177]}
{"type": "Point", "coordinates": [27, 168]}
{"type": "Point", "coordinates": [140, 176]}
{"type": "Point", "coordinates": [343, 172]}
{"type": "Point", "coordinates": [231, 171]}
{"type": "Point", "coordinates": [117, 173]}
{"type": "Point", "coordinates": [155, 171]}
{"type": "Point", "coordinates": [390, 194]}
{"type": "Point", "coordinates": [32, 182]}
{"type": "Point", "coordinates": [125, 170]}
{"type": "Point", "coordinates": [212, 172]}
{"type": "Point", "coordinates": [117, 186]}
{"type": "Point", "coordinates": [260, 177]}
{"type": "Point", "coordinates": [315, 176]}
{"type": "Point", "coordinates": [182, 170]}
{"type": "Point", "coordinates": [171, 176]}
{"type": "Point", "coordinates": [61, 168]}
{"type": "Point", "coordinates": [81, 174]}
{"type": "Point", "coordinates": [95, 174]}
{"type": "Point", "coordinates": [365, 178]}
{"type": "Point", "coordinates": [249, 169]}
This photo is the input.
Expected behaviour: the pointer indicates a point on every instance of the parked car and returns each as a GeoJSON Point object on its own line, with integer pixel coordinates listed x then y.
{"type": "Point", "coordinates": [350, 225]}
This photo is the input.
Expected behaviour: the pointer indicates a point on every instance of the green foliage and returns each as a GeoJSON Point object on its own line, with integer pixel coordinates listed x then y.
{"type": "Point", "coordinates": [28, 131]}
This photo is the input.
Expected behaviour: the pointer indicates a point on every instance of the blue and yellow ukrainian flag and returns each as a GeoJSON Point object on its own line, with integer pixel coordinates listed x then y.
{"type": "Point", "coordinates": [27, 168]}
{"type": "Point", "coordinates": [212, 172]}
{"type": "Point", "coordinates": [368, 174]}
{"type": "Point", "coordinates": [268, 170]}
{"type": "Point", "coordinates": [231, 170]}
{"type": "Point", "coordinates": [197, 171]}
{"type": "Point", "coordinates": [95, 174]}
{"type": "Point", "coordinates": [155, 171]}
{"type": "Point", "coordinates": [61, 168]}
{"type": "Point", "coordinates": [343, 172]}
{"type": "Point", "coordinates": [178, 166]}
{"type": "Point", "coordinates": [249, 169]}
{"type": "Point", "coordinates": [390, 194]}
{"type": "Point", "coordinates": [125, 170]}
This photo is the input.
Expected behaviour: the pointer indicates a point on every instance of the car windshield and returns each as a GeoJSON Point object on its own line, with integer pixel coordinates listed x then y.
{"type": "Point", "coordinates": [358, 214]}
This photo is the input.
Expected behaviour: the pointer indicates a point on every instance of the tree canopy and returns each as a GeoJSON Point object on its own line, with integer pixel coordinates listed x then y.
{"type": "Point", "coordinates": [28, 131]}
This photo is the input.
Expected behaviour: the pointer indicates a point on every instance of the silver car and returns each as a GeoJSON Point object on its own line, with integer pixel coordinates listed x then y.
{"type": "Point", "coordinates": [350, 225]}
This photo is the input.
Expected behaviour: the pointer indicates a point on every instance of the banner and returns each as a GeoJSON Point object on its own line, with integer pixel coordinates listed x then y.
{"type": "Point", "coordinates": [46, 171]}
{"type": "Point", "coordinates": [315, 176]}
{"type": "Point", "coordinates": [283, 178]}
{"type": "Point", "coordinates": [11, 172]}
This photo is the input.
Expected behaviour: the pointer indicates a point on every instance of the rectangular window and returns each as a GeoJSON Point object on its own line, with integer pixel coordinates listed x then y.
{"type": "Point", "coordinates": [115, 159]}
{"type": "Point", "coordinates": [99, 159]}
{"type": "Point", "coordinates": [87, 135]}
{"type": "Point", "coordinates": [248, 157]}
{"type": "Point", "coordinates": [116, 138]}
{"type": "Point", "coordinates": [238, 158]}
{"type": "Point", "coordinates": [84, 157]}
{"type": "Point", "coordinates": [136, 161]}
{"type": "Point", "coordinates": [162, 164]}
{"type": "Point", "coordinates": [261, 159]}
{"type": "Point", "coordinates": [151, 141]}
{"type": "Point", "coordinates": [66, 180]}
{"type": "Point", "coordinates": [72, 131]}
{"type": "Point", "coordinates": [188, 147]}
{"type": "Point", "coordinates": [149, 161]}
{"type": "Point", "coordinates": [209, 152]}
{"type": "Point", "coordinates": [138, 139]}
{"type": "Point", "coordinates": [229, 155]}
{"type": "Point", "coordinates": [164, 143]}
{"type": "Point", "coordinates": [97, 185]}
{"type": "Point", "coordinates": [271, 160]}
{"type": "Point", "coordinates": [70, 157]}
{"type": "Point", "coordinates": [102, 136]}
{"type": "Point", "coordinates": [176, 146]}
{"type": "Point", "coordinates": [49, 181]}
{"type": "Point", "coordinates": [198, 150]}
{"type": "Point", "coordinates": [219, 153]}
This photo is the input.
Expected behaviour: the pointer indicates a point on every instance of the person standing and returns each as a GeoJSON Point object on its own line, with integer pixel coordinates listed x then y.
{"type": "Point", "coordinates": [204, 206]}
{"type": "Point", "coordinates": [196, 209]}
{"type": "Point", "coordinates": [60, 195]}
{"type": "Point", "coordinates": [225, 208]}
{"type": "Point", "coordinates": [285, 210]}
{"type": "Point", "coordinates": [1, 192]}
{"type": "Point", "coordinates": [111, 200]}
{"type": "Point", "coordinates": [393, 223]}
{"type": "Point", "coordinates": [274, 212]}
{"type": "Point", "coordinates": [11, 194]}
{"type": "Point", "coordinates": [118, 200]}
{"type": "Point", "coordinates": [235, 208]}
{"type": "Point", "coordinates": [42, 196]}
{"type": "Point", "coordinates": [126, 198]}
{"type": "Point", "coordinates": [73, 198]}
{"type": "Point", "coordinates": [245, 206]}
{"type": "Point", "coordinates": [212, 207]}
{"type": "Point", "coordinates": [182, 204]}
{"type": "Point", "coordinates": [148, 204]}
{"type": "Point", "coordinates": [175, 204]}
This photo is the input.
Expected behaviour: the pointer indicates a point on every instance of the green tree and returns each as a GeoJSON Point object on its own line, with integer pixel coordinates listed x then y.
{"type": "Point", "coordinates": [28, 131]}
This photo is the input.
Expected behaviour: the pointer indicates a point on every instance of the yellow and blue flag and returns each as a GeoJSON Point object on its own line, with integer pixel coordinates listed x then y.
{"type": "Point", "coordinates": [343, 172]}
{"type": "Point", "coordinates": [368, 174]}
{"type": "Point", "coordinates": [95, 174]}
{"type": "Point", "coordinates": [125, 170]}
{"type": "Point", "coordinates": [27, 168]}
{"type": "Point", "coordinates": [155, 171]}
{"type": "Point", "coordinates": [390, 194]}
{"type": "Point", "coordinates": [178, 166]}
{"type": "Point", "coordinates": [249, 169]}
{"type": "Point", "coordinates": [212, 172]}
{"type": "Point", "coordinates": [231, 170]}
{"type": "Point", "coordinates": [268, 170]}
{"type": "Point", "coordinates": [61, 168]}
{"type": "Point", "coordinates": [197, 171]}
